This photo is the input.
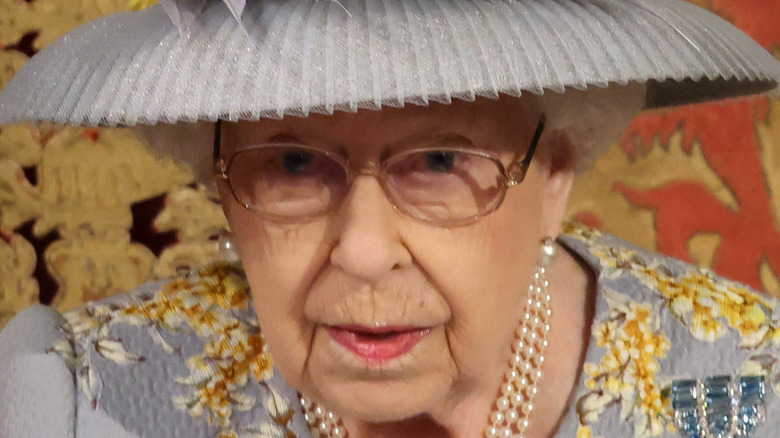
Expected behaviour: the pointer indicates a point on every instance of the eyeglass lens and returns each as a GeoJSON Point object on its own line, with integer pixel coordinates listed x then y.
{"type": "Point", "coordinates": [287, 181]}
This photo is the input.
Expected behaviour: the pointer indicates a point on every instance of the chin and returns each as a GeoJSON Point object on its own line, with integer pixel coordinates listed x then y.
{"type": "Point", "coordinates": [386, 401]}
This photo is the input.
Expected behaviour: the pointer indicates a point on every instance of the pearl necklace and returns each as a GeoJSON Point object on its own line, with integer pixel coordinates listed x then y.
{"type": "Point", "coordinates": [510, 414]}
{"type": "Point", "coordinates": [512, 409]}
{"type": "Point", "coordinates": [322, 422]}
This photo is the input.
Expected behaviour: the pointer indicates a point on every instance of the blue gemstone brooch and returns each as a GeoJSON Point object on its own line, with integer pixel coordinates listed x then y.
{"type": "Point", "coordinates": [718, 406]}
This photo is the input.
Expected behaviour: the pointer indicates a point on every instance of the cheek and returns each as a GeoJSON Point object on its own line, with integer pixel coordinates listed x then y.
{"type": "Point", "coordinates": [484, 272]}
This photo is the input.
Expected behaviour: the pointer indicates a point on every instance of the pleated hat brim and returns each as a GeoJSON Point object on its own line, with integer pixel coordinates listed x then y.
{"type": "Point", "coordinates": [296, 57]}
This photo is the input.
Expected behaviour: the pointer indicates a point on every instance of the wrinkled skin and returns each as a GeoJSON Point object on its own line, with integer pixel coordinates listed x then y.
{"type": "Point", "coordinates": [368, 265]}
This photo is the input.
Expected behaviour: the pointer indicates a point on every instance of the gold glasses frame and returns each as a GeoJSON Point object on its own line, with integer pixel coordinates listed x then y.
{"type": "Point", "coordinates": [510, 176]}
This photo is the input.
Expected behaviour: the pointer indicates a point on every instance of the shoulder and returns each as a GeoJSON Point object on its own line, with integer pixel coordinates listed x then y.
{"type": "Point", "coordinates": [187, 350]}
{"type": "Point", "coordinates": [33, 379]}
{"type": "Point", "coordinates": [179, 357]}
{"type": "Point", "coordinates": [31, 333]}
{"type": "Point", "coordinates": [709, 307]}
{"type": "Point", "coordinates": [661, 323]}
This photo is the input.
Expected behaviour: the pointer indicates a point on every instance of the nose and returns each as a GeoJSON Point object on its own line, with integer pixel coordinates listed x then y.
{"type": "Point", "coordinates": [369, 245]}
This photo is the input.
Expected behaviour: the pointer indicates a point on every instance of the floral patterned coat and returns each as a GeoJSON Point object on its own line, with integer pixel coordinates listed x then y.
{"type": "Point", "coordinates": [186, 358]}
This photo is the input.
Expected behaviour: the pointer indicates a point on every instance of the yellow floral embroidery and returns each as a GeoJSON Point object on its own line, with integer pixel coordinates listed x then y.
{"type": "Point", "coordinates": [701, 301]}
{"type": "Point", "coordinates": [705, 305]}
{"type": "Point", "coordinates": [221, 371]}
{"type": "Point", "coordinates": [695, 297]}
{"type": "Point", "coordinates": [627, 372]}
{"type": "Point", "coordinates": [204, 302]}
{"type": "Point", "coordinates": [190, 299]}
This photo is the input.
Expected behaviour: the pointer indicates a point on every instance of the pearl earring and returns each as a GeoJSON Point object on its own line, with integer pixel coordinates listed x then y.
{"type": "Point", "coordinates": [226, 248]}
{"type": "Point", "coordinates": [547, 252]}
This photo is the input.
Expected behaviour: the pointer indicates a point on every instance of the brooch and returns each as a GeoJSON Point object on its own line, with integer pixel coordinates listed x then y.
{"type": "Point", "coordinates": [718, 406]}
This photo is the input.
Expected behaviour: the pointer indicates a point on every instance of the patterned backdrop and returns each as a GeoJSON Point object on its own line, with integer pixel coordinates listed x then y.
{"type": "Point", "coordinates": [86, 213]}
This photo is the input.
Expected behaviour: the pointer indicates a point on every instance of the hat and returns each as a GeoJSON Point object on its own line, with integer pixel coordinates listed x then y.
{"type": "Point", "coordinates": [296, 57]}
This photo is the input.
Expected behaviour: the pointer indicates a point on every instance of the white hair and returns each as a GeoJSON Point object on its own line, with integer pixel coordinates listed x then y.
{"type": "Point", "coordinates": [188, 143]}
{"type": "Point", "coordinates": [592, 120]}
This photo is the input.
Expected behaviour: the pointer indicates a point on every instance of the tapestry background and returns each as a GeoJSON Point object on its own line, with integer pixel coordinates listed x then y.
{"type": "Point", "coordinates": [86, 213]}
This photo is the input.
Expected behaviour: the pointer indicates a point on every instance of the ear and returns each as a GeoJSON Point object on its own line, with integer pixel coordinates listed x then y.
{"type": "Point", "coordinates": [559, 166]}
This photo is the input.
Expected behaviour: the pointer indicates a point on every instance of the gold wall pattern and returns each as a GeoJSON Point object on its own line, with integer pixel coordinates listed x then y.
{"type": "Point", "coordinates": [86, 213]}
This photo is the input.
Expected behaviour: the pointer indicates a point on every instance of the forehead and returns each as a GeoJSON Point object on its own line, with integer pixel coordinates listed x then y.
{"type": "Point", "coordinates": [483, 120]}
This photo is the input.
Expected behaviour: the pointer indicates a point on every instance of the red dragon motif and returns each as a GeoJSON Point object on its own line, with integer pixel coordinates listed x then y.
{"type": "Point", "coordinates": [728, 137]}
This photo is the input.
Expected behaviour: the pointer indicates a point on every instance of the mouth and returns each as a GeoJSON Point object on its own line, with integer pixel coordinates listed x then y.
{"type": "Point", "coordinates": [378, 344]}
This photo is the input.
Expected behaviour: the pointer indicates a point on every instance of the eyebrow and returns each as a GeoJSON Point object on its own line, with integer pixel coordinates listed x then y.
{"type": "Point", "coordinates": [283, 137]}
{"type": "Point", "coordinates": [452, 139]}
{"type": "Point", "coordinates": [276, 138]}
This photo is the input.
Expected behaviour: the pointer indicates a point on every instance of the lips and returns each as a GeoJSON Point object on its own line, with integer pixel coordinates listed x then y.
{"type": "Point", "coordinates": [376, 345]}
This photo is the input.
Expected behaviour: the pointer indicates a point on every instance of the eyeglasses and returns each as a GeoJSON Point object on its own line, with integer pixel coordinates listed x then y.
{"type": "Point", "coordinates": [445, 186]}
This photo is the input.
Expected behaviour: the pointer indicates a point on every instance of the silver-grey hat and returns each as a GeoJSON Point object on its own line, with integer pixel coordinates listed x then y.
{"type": "Point", "coordinates": [295, 57]}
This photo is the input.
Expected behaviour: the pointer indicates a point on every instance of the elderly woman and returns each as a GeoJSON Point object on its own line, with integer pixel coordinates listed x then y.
{"type": "Point", "coordinates": [406, 270]}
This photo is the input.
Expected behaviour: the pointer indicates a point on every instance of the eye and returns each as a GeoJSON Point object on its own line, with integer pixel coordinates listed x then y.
{"type": "Point", "coordinates": [297, 162]}
{"type": "Point", "coordinates": [440, 161]}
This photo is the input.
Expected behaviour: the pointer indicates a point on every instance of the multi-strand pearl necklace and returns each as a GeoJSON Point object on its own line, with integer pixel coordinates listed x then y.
{"type": "Point", "coordinates": [322, 422]}
{"type": "Point", "coordinates": [513, 408]}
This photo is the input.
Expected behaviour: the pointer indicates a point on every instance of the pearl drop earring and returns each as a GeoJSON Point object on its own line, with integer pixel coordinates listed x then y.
{"type": "Point", "coordinates": [548, 252]}
{"type": "Point", "coordinates": [226, 248]}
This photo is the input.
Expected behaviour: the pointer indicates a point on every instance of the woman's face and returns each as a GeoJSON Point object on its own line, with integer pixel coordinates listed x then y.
{"type": "Point", "coordinates": [379, 316]}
